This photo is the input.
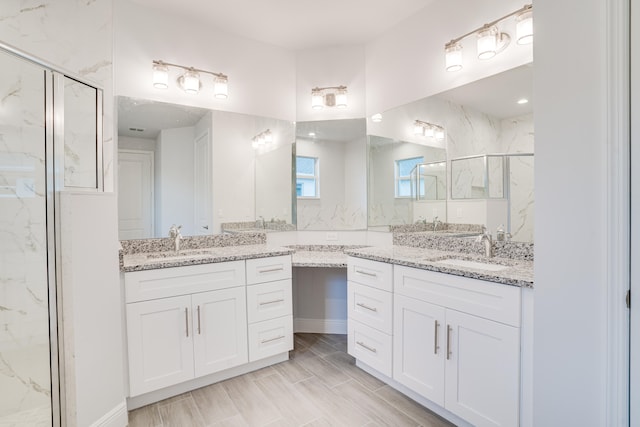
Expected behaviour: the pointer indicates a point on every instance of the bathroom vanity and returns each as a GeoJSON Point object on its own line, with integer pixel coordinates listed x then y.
{"type": "Point", "coordinates": [452, 343]}
{"type": "Point", "coordinates": [204, 315]}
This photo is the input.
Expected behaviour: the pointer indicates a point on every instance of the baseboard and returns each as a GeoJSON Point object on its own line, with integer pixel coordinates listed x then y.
{"type": "Point", "coordinates": [320, 326]}
{"type": "Point", "coordinates": [117, 417]}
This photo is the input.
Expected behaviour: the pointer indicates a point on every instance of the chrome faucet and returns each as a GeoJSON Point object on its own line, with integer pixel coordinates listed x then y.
{"type": "Point", "coordinates": [436, 223]}
{"type": "Point", "coordinates": [488, 242]}
{"type": "Point", "coordinates": [174, 233]}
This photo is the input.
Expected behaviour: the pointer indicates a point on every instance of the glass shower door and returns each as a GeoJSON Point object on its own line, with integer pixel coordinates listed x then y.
{"type": "Point", "coordinates": [25, 356]}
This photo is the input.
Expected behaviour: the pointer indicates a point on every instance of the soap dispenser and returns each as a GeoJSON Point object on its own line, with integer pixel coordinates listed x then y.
{"type": "Point", "coordinates": [500, 233]}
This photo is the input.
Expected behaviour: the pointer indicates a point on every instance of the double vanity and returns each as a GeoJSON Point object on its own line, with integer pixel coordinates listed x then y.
{"type": "Point", "coordinates": [445, 327]}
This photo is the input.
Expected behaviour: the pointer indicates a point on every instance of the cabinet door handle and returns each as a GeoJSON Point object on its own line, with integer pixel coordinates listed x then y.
{"type": "Point", "coordinates": [272, 339]}
{"type": "Point", "coordinates": [449, 328]}
{"type": "Point", "coordinates": [271, 270]}
{"type": "Point", "coordinates": [435, 338]}
{"type": "Point", "coordinates": [186, 320]}
{"type": "Point", "coordinates": [363, 345]}
{"type": "Point", "coordinates": [199, 330]}
{"type": "Point", "coordinates": [366, 273]}
{"type": "Point", "coordinates": [272, 302]}
{"type": "Point", "coordinates": [365, 306]}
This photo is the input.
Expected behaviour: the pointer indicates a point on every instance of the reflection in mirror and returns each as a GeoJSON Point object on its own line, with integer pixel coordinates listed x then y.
{"type": "Point", "coordinates": [80, 135]}
{"type": "Point", "coordinates": [481, 118]}
{"type": "Point", "coordinates": [197, 168]}
{"type": "Point", "coordinates": [331, 180]}
{"type": "Point", "coordinates": [274, 174]}
{"type": "Point", "coordinates": [393, 199]}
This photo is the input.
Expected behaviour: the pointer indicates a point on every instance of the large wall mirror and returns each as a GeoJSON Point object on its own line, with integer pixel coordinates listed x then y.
{"type": "Point", "coordinates": [484, 131]}
{"type": "Point", "coordinates": [200, 169]}
{"type": "Point", "coordinates": [331, 175]}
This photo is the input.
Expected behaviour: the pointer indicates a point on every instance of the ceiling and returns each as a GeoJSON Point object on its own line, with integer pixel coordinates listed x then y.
{"type": "Point", "coordinates": [295, 24]}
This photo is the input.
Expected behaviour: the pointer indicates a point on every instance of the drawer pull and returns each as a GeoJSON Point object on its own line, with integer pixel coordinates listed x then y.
{"type": "Point", "coordinates": [272, 302]}
{"type": "Point", "coordinates": [363, 345]}
{"type": "Point", "coordinates": [199, 329]}
{"type": "Point", "coordinates": [435, 338]}
{"type": "Point", "coordinates": [272, 339]}
{"type": "Point", "coordinates": [271, 270]}
{"type": "Point", "coordinates": [186, 320]}
{"type": "Point", "coordinates": [365, 306]}
{"type": "Point", "coordinates": [448, 341]}
{"type": "Point", "coordinates": [366, 273]}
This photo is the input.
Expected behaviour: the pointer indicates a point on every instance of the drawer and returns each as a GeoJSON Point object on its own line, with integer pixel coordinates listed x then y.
{"type": "Point", "coordinates": [370, 346]}
{"type": "Point", "coordinates": [168, 282]}
{"type": "Point", "coordinates": [370, 306]}
{"type": "Point", "coordinates": [269, 300]}
{"type": "Point", "coordinates": [371, 273]}
{"type": "Point", "coordinates": [270, 337]}
{"type": "Point", "coordinates": [493, 301]}
{"type": "Point", "coordinates": [260, 270]}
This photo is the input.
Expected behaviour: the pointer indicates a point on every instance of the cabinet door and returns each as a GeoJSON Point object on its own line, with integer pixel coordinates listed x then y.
{"type": "Point", "coordinates": [418, 347]}
{"type": "Point", "coordinates": [220, 330]}
{"type": "Point", "coordinates": [483, 370]}
{"type": "Point", "coordinates": [160, 345]}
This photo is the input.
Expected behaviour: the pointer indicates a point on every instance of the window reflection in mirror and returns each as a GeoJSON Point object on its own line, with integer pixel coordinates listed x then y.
{"type": "Point", "coordinates": [331, 162]}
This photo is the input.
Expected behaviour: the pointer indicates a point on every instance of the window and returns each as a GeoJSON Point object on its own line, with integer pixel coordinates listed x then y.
{"type": "Point", "coordinates": [307, 180]}
{"type": "Point", "coordinates": [403, 175]}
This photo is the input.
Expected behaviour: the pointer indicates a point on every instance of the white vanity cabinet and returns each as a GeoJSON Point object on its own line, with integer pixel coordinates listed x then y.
{"type": "Point", "coordinates": [269, 306]}
{"type": "Point", "coordinates": [457, 343]}
{"type": "Point", "coordinates": [184, 323]}
{"type": "Point", "coordinates": [183, 332]}
{"type": "Point", "coordinates": [369, 313]}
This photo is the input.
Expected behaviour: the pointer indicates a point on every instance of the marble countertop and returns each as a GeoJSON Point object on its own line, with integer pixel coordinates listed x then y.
{"type": "Point", "coordinates": [166, 259]}
{"type": "Point", "coordinates": [517, 273]}
{"type": "Point", "coordinates": [313, 258]}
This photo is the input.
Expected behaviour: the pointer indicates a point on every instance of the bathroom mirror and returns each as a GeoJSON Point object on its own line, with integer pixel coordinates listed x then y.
{"type": "Point", "coordinates": [331, 175]}
{"type": "Point", "coordinates": [199, 168]}
{"type": "Point", "coordinates": [485, 117]}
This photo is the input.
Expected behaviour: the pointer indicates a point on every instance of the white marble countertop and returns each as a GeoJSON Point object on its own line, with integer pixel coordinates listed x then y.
{"type": "Point", "coordinates": [166, 259]}
{"type": "Point", "coordinates": [516, 273]}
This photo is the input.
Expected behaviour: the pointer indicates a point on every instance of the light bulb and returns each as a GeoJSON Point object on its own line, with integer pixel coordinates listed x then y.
{"type": "Point", "coordinates": [160, 75]}
{"type": "Point", "coordinates": [190, 81]}
{"type": "Point", "coordinates": [440, 134]}
{"type": "Point", "coordinates": [429, 132]}
{"type": "Point", "coordinates": [317, 102]}
{"type": "Point", "coordinates": [341, 97]}
{"type": "Point", "coordinates": [453, 57]}
{"type": "Point", "coordinates": [418, 129]}
{"type": "Point", "coordinates": [524, 27]}
{"type": "Point", "coordinates": [487, 42]}
{"type": "Point", "coordinates": [220, 87]}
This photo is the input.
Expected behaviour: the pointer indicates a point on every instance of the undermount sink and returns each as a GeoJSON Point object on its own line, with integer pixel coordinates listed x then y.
{"type": "Point", "coordinates": [472, 264]}
{"type": "Point", "coordinates": [181, 254]}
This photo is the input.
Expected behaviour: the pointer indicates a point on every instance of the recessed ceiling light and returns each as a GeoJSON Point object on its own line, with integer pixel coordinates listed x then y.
{"type": "Point", "coordinates": [523, 101]}
{"type": "Point", "coordinates": [312, 134]}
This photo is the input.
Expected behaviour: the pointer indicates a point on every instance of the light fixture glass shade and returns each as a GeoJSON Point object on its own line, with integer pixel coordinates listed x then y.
{"type": "Point", "coordinates": [524, 27]}
{"type": "Point", "coordinates": [220, 87]}
{"type": "Point", "coordinates": [376, 118]}
{"type": "Point", "coordinates": [268, 137]}
{"type": "Point", "coordinates": [341, 98]}
{"type": "Point", "coordinates": [190, 81]}
{"type": "Point", "coordinates": [317, 102]}
{"type": "Point", "coordinates": [160, 76]}
{"type": "Point", "coordinates": [418, 129]}
{"type": "Point", "coordinates": [429, 132]}
{"type": "Point", "coordinates": [439, 133]}
{"type": "Point", "coordinates": [453, 57]}
{"type": "Point", "coordinates": [487, 42]}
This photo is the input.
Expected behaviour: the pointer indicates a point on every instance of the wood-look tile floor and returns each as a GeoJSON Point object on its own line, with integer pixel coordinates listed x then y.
{"type": "Point", "coordinates": [319, 386]}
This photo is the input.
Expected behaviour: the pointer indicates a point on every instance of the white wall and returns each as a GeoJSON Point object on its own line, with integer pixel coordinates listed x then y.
{"type": "Point", "coordinates": [130, 143]}
{"type": "Point", "coordinates": [326, 67]}
{"type": "Point", "coordinates": [570, 313]}
{"type": "Point", "coordinates": [261, 76]}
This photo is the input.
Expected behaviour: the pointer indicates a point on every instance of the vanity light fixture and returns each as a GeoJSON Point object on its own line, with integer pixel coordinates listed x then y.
{"type": "Point", "coordinates": [490, 40]}
{"type": "Point", "coordinates": [427, 129]}
{"type": "Point", "coordinates": [330, 96]}
{"type": "Point", "coordinates": [262, 139]}
{"type": "Point", "coordinates": [189, 80]}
